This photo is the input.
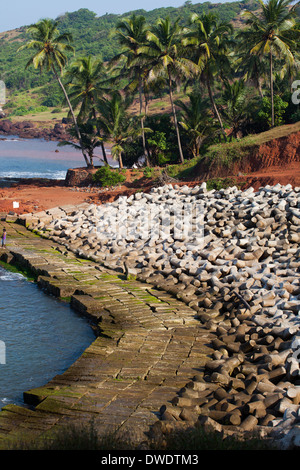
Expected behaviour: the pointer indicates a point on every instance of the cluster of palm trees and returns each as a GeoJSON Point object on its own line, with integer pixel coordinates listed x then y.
{"type": "Point", "coordinates": [201, 55]}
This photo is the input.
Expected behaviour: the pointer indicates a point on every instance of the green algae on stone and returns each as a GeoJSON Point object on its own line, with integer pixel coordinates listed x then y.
{"type": "Point", "coordinates": [37, 395]}
{"type": "Point", "coordinates": [19, 269]}
{"type": "Point", "coordinates": [54, 405]}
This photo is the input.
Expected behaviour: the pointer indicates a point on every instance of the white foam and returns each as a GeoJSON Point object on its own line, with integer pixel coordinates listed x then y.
{"type": "Point", "coordinates": [56, 175]}
{"type": "Point", "coordinates": [7, 276]}
{"type": "Point", "coordinates": [4, 400]}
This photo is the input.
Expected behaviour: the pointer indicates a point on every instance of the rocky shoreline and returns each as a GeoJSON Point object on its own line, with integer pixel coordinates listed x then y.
{"type": "Point", "coordinates": [31, 130]}
{"type": "Point", "coordinates": [232, 256]}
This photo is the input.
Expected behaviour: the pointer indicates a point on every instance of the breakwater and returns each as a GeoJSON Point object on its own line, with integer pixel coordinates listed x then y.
{"type": "Point", "coordinates": [147, 343]}
{"type": "Point", "coordinates": [236, 266]}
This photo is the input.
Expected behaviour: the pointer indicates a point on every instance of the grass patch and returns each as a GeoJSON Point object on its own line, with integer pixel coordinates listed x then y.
{"type": "Point", "coordinates": [65, 299]}
{"type": "Point", "coordinates": [198, 439]}
{"type": "Point", "coordinates": [227, 154]}
{"type": "Point", "coordinates": [86, 437]}
{"type": "Point", "coordinates": [183, 170]}
{"type": "Point", "coordinates": [223, 183]}
{"type": "Point", "coordinates": [28, 105]}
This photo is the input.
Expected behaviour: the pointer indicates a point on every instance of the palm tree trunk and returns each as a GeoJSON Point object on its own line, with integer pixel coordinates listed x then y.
{"type": "Point", "coordinates": [104, 154]}
{"type": "Point", "coordinates": [142, 119]}
{"type": "Point", "coordinates": [211, 97]}
{"type": "Point", "coordinates": [146, 99]}
{"type": "Point", "coordinates": [271, 90]}
{"type": "Point", "coordinates": [88, 163]}
{"type": "Point", "coordinates": [102, 145]}
{"type": "Point", "coordinates": [175, 118]}
{"type": "Point", "coordinates": [91, 158]}
{"type": "Point", "coordinates": [145, 149]}
{"type": "Point", "coordinates": [120, 160]}
{"type": "Point", "coordinates": [260, 89]}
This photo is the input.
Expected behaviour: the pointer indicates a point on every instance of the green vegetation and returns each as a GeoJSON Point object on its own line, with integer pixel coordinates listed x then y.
{"type": "Point", "coordinates": [51, 48]}
{"type": "Point", "coordinates": [235, 151]}
{"type": "Point", "coordinates": [222, 183]}
{"type": "Point", "coordinates": [85, 437]}
{"type": "Point", "coordinates": [273, 33]}
{"type": "Point", "coordinates": [114, 120]}
{"type": "Point", "coordinates": [226, 155]}
{"type": "Point", "coordinates": [131, 34]}
{"type": "Point", "coordinates": [226, 75]}
{"type": "Point", "coordinates": [208, 42]}
{"type": "Point", "coordinates": [90, 34]}
{"type": "Point", "coordinates": [108, 177]}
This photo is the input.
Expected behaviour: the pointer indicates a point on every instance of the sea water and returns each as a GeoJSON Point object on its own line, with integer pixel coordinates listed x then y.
{"type": "Point", "coordinates": [40, 337]}
{"type": "Point", "coordinates": [38, 158]}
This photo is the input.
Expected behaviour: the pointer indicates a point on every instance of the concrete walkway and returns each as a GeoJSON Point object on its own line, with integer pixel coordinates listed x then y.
{"type": "Point", "coordinates": [147, 346]}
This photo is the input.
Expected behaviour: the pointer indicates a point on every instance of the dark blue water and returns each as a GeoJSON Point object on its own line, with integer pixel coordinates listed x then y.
{"type": "Point", "coordinates": [40, 337]}
{"type": "Point", "coordinates": [38, 158]}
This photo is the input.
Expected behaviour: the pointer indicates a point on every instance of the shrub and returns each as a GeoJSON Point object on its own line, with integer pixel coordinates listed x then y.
{"type": "Point", "coordinates": [108, 177]}
{"type": "Point", "coordinates": [53, 100]}
{"type": "Point", "coordinates": [37, 109]}
{"type": "Point", "coordinates": [264, 114]}
{"type": "Point", "coordinates": [20, 111]}
{"type": "Point", "coordinates": [148, 172]}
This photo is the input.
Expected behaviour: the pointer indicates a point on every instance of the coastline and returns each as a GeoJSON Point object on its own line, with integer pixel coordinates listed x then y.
{"type": "Point", "coordinates": [138, 305]}
{"type": "Point", "coordinates": [116, 322]}
{"type": "Point", "coordinates": [35, 196]}
{"type": "Point", "coordinates": [33, 130]}
{"type": "Point", "coordinates": [130, 336]}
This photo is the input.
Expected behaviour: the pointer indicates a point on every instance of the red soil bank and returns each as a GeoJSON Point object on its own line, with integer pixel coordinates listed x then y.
{"type": "Point", "coordinates": [275, 161]}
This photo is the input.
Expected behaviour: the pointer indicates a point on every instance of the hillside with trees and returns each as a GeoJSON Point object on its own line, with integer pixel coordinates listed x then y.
{"type": "Point", "coordinates": [218, 75]}
{"type": "Point", "coordinates": [92, 36]}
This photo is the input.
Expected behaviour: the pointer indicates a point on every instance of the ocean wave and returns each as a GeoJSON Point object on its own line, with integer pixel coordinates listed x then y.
{"type": "Point", "coordinates": [7, 277]}
{"type": "Point", "coordinates": [55, 175]}
{"type": "Point", "coordinates": [5, 400]}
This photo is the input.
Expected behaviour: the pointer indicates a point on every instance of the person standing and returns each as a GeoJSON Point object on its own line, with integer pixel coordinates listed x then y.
{"type": "Point", "coordinates": [4, 238]}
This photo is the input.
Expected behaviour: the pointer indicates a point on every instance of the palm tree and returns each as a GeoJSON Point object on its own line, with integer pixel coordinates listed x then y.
{"type": "Point", "coordinates": [87, 80]}
{"type": "Point", "coordinates": [253, 70]}
{"type": "Point", "coordinates": [234, 104]}
{"type": "Point", "coordinates": [51, 48]}
{"type": "Point", "coordinates": [89, 139]}
{"type": "Point", "coordinates": [207, 40]}
{"type": "Point", "coordinates": [131, 35]}
{"type": "Point", "coordinates": [196, 120]}
{"type": "Point", "coordinates": [272, 32]}
{"type": "Point", "coordinates": [117, 125]}
{"type": "Point", "coordinates": [163, 51]}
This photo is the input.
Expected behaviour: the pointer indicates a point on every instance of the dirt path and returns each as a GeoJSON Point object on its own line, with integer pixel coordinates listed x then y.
{"type": "Point", "coordinates": [273, 175]}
